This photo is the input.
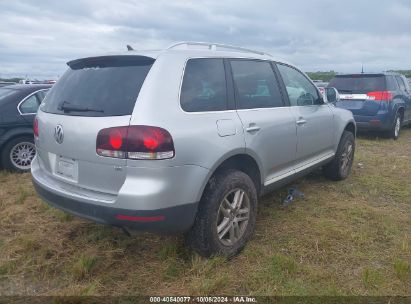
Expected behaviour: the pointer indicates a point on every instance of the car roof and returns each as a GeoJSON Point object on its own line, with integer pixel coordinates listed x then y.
{"type": "Point", "coordinates": [27, 87]}
{"type": "Point", "coordinates": [370, 74]}
{"type": "Point", "coordinates": [201, 49]}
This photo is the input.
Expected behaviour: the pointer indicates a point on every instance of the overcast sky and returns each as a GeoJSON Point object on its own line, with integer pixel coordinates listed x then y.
{"type": "Point", "coordinates": [38, 37]}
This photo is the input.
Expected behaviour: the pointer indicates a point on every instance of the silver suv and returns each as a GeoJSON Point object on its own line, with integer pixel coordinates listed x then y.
{"type": "Point", "coordinates": [184, 140]}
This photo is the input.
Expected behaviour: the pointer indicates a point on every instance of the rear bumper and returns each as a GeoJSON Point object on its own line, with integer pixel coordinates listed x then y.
{"type": "Point", "coordinates": [379, 122]}
{"type": "Point", "coordinates": [168, 220]}
{"type": "Point", "coordinates": [134, 207]}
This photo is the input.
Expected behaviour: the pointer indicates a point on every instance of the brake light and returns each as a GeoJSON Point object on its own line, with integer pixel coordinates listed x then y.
{"type": "Point", "coordinates": [135, 142]}
{"type": "Point", "coordinates": [116, 139]}
{"type": "Point", "coordinates": [380, 95]}
{"type": "Point", "coordinates": [111, 142]}
{"type": "Point", "coordinates": [36, 127]}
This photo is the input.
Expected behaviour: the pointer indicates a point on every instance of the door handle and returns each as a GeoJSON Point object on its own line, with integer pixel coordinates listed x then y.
{"type": "Point", "coordinates": [301, 121]}
{"type": "Point", "coordinates": [252, 128]}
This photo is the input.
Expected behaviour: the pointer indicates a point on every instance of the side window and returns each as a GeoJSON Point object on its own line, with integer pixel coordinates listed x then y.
{"type": "Point", "coordinates": [30, 105]}
{"type": "Point", "coordinates": [401, 83]}
{"type": "Point", "coordinates": [392, 84]}
{"type": "Point", "coordinates": [204, 86]}
{"type": "Point", "coordinates": [301, 91]}
{"type": "Point", "coordinates": [256, 85]}
{"type": "Point", "coordinates": [407, 84]}
{"type": "Point", "coordinates": [41, 95]}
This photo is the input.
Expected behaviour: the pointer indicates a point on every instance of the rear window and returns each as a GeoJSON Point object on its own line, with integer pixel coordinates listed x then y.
{"type": "Point", "coordinates": [358, 84]}
{"type": "Point", "coordinates": [100, 86]}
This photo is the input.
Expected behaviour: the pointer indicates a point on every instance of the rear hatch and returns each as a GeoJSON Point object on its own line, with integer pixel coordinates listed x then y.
{"type": "Point", "coordinates": [95, 93]}
{"type": "Point", "coordinates": [358, 92]}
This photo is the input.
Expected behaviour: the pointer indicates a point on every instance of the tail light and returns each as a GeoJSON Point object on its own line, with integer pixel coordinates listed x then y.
{"type": "Point", "coordinates": [135, 142]}
{"type": "Point", "coordinates": [380, 95]}
{"type": "Point", "coordinates": [36, 127]}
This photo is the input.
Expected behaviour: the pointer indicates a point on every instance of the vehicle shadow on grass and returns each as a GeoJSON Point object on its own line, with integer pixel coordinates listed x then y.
{"type": "Point", "coordinates": [372, 135]}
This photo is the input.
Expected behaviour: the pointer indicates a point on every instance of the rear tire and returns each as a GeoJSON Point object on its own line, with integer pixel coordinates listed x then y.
{"type": "Point", "coordinates": [226, 216]}
{"type": "Point", "coordinates": [340, 167]}
{"type": "Point", "coordinates": [394, 133]}
{"type": "Point", "coordinates": [18, 153]}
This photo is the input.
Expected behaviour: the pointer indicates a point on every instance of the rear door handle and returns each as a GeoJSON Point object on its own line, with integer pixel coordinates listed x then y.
{"type": "Point", "coordinates": [253, 128]}
{"type": "Point", "coordinates": [301, 122]}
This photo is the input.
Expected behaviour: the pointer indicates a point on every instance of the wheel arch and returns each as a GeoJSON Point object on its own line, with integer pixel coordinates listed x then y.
{"type": "Point", "coordinates": [350, 127]}
{"type": "Point", "coordinates": [15, 133]}
{"type": "Point", "coordinates": [399, 105]}
{"type": "Point", "coordinates": [401, 111]}
{"type": "Point", "coordinates": [241, 161]}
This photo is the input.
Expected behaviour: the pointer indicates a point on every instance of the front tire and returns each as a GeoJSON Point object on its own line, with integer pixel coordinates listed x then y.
{"type": "Point", "coordinates": [226, 216]}
{"type": "Point", "coordinates": [340, 167]}
{"type": "Point", "coordinates": [18, 154]}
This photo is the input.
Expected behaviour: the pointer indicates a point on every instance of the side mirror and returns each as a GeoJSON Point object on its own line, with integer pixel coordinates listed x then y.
{"type": "Point", "coordinates": [332, 95]}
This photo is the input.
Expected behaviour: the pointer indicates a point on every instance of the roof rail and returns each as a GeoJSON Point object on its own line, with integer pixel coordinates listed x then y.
{"type": "Point", "coordinates": [216, 46]}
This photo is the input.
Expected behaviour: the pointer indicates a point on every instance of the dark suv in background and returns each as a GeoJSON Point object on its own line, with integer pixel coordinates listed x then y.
{"type": "Point", "coordinates": [379, 102]}
{"type": "Point", "coordinates": [18, 107]}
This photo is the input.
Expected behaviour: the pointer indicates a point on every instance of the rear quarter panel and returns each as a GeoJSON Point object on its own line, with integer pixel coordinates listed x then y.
{"type": "Point", "coordinates": [195, 134]}
{"type": "Point", "coordinates": [12, 124]}
{"type": "Point", "coordinates": [399, 101]}
{"type": "Point", "coordinates": [342, 118]}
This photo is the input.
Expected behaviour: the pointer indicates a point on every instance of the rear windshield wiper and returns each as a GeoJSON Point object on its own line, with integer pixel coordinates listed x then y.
{"type": "Point", "coordinates": [68, 107]}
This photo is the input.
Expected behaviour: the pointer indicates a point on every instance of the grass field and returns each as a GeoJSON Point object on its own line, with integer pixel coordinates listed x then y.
{"type": "Point", "coordinates": [345, 238]}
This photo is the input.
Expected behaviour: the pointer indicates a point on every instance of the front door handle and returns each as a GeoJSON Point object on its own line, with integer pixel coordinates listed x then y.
{"type": "Point", "coordinates": [301, 122]}
{"type": "Point", "coordinates": [253, 128]}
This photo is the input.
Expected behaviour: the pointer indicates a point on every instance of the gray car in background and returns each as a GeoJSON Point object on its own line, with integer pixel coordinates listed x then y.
{"type": "Point", "coordinates": [184, 140]}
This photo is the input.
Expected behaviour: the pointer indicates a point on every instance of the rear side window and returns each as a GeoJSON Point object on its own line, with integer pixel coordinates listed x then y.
{"type": "Point", "coordinates": [99, 86]}
{"type": "Point", "coordinates": [407, 83]}
{"type": "Point", "coordinates": [41, 95]}
{"type": "Point", "coordinates": [300, 90]}
{"type": "Point", "coordinates": [204, 86]}
{"type": "Point", "coordinates": [255, 84]}
{"type": "Point", "coordinates": [30, 105]}
{"type": "Point", "coordinates": [401, 83]}
{"type": "Point", "coordinates": [392, 84]}
{"type": "Point", "coordinates": [358, 84]}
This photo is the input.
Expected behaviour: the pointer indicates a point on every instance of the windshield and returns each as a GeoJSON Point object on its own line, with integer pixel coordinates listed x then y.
{"type": "Point", "coordinates": [358, 84]}
{"type": "Point", "coordinates": [100, 86]}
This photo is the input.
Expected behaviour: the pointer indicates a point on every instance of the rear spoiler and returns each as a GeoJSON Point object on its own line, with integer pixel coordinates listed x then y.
{"type": "Point", "coordinates": [110, 61]}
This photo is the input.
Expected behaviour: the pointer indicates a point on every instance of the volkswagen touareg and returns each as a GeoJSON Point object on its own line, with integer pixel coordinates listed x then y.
{"type": "Point", "coordinates": [184, 140]}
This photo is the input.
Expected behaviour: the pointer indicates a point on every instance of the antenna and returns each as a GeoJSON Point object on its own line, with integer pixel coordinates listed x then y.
{"type": "Point", "coordinates": [129, 48]}
{"type": "Point", "coordinates": [362, 69]}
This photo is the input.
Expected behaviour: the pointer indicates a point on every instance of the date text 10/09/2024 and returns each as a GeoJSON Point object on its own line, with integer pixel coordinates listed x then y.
{"type": "Point", "coordinates": [188, 299]}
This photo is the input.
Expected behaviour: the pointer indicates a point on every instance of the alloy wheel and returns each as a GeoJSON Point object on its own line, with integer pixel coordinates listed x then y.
{"type": "Point", "coordinates": [22, 154]}
{"type": "Point", "coordinates": [233, 216]}
{"type": "Point", "coordinates": [347, 157]}
{"type": "Point", "coordinates": [397, 127]}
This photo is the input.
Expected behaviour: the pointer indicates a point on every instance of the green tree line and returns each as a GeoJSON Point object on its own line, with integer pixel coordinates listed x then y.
{"type": "Point", "coordinates": [16, 79]}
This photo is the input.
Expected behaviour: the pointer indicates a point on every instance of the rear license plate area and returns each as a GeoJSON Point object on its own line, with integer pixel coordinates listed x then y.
{"type": "Point", "coordinates": [67, 168]}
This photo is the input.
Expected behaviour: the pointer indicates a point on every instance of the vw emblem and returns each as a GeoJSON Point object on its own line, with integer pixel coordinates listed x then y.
{"type": "Point", "coordinates": [59, 134]}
